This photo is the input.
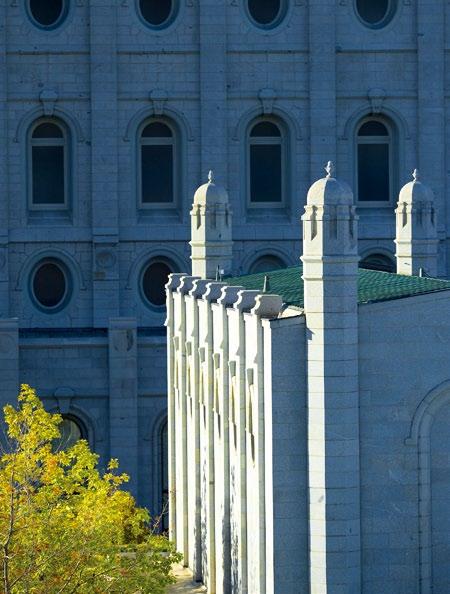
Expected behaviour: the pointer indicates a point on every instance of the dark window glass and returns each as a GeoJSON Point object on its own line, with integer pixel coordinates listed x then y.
{"type": "Point", "coordinates": [48, 174]}
{"type": "Point", "coordinates": [156, 12]}
{"type": "Point", "coordinates": [373, 128]}
{"type": "Point", "coordinates": [47, 12]}
{"type": "Point", "coordinates": [154, 280]}
{"type": "Point", "coordinates": [266, 263]}
{"type": "Point", "coordinates": [264, 12]}
{"type": "Point", "coordinates": [377, 262]}
{"type": "Point", "coordinates": [373, 12]}
{"type": "Point", "coordinates": [265, 173]}
{"type": "Point", "coordinates": [70, 432]}
{"type": "Point", "coordinates": [373, 172]}
{"type": "Point", "coordinates": [156, 130]}
{"type": "Point", "coordinates": [47, 130]}
{"type": "Point", "coordinates": [49, 285]}
{"type": "Point", "coordinates": [265, 129]}
{"type": "Point", "coordinates": [157, 173]}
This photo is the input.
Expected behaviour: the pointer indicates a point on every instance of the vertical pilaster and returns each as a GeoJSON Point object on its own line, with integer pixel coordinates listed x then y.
{"type": "Point", "coordinates": [173, 283]}
{"type": "Point", "coordinates": [4, 202]}
{"type": "Point", "coordinates": [237, 440]}
{"type": "Point", "coordinates": [322, 83]}
{"type": "Point", "coordinates": [123, 412]}
{"type": "Point", "coordinates": [330, 274]}
{"type": "Point", "coordinates": [9, 361]}
{"type": "Point", "coordinates": [104, 160]}
{"type": "Point", "coordinates": [431, 108]}
{"type": "Point", "coordinates": [213, 87]}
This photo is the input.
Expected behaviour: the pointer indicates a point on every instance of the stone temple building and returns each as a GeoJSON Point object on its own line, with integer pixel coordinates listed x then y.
{"type": "Point", "coordinates": [111, 113]}
{"type": "Point", "coordinates": [309, 408]}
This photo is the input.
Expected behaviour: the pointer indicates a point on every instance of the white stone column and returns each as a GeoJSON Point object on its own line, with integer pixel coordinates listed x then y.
{"type": "Point", "coordinates": [193, 425]}
{"type": "Point", "coordinates": [172, 285]}
{"type": "Point", "coordinates": [206, 403]}
{"type": "Point", "coordinates": [330, 272]}
{"type": "Point", "coordinates": [237, 439]}
{"type": "Point", "coordinates": [416, 230]}
{"type": "Point", "coordinates": [221, 437]}
{"type": "Point", "coordinates": [123, 414]}
{"type": "Point", "coordinates": [211, 242]}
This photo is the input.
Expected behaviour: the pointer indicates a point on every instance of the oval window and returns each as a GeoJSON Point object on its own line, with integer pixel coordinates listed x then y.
{"type": "Point", "coordinates": [157, 13]}
{"type": "Point", "coordinates": [47, 13]}
{"type": "Point", "coordinates": [153, 283]}
{"type": "Point", "coordinates": [375, 13]}
{"type": "Point", "coordinates": [49, 285]}
{"type": "Point", "coordinates": [266, 13]}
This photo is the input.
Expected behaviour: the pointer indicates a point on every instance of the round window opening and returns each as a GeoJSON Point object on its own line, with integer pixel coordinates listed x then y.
{"type": "Point", "coordinates": [70, 432]}
{"type": "Point", "coordinates": [47, 14]}
{"type": "Point", "coordinates": [50, 285]}
{"type": "Point", "coordinates": [154, 279]}
{"type": "Point", "coordinates": [157, 13]}
{"type": "Point", "coordinates": [375, 13]}
{"type": "Point", "coordinates": [266, 13]}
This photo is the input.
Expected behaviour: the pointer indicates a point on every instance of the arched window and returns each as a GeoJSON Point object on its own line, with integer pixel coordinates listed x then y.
{"type": "Point", "coordinates": [267, 263]}
{"type": "Point", "coordinates": [157, 165]}
{"type": "Point", "coordinates": [266, 14]}
{"type": "Point", "coordinates": [375, 13]}
{"type": "Point", "coordinates": [47, 14]}
{"type": "Point", "coordinates": [50, 285]}
{"type": "Point", "coordinates": [266, 164]}
{"type": "Point", "coordinates": [374, 167]}
{"type": "Point", "coordinates": [71, 430]}
{"type": "Point", "coordinates": [158, 13]}
{"type": "Point", "coordinates": [378, 262]}
{"type": "Point", "coordinates": [48, 166]}
{"type": "Point", "coordinates": [154, 277]}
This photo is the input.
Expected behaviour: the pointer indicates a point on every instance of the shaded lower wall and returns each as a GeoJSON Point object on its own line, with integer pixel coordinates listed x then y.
{"type": "Point", "coordinates": [405, 445]}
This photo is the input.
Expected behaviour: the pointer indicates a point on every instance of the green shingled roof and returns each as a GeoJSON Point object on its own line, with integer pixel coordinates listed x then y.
{"type": "Point", "coordinates": [372, 285]}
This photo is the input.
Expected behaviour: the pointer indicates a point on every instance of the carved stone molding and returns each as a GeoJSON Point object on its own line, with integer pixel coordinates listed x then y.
{"type": "Point", "coordinates": [48, 98]}
{"type": "Point", "coordinates": [158, 98]}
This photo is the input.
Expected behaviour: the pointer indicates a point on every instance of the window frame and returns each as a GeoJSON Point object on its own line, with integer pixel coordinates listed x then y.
{"type": "Point", "coordinates": [165, 24]}
{"type": "Point", "coordinates": [390, 141]}
{"type": "Point", "coordinates": [278, 20]}
{"type": "Point", "coordinates": [385, 21]}
{"type": "Point", "coordinates": [69, 286]}
{"type": "Point", "coordinates": [65, 143]}
{"type": "Point", "coordinates": [282, 141]}
{"type": "Point", "coordinates": [174, 141]}
{"type": "Point", "coordinates": [59, 21]}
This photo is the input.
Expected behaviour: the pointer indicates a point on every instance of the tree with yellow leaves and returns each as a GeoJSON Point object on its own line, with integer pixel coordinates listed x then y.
{"type": "Point", "coordinates": [65, 527]}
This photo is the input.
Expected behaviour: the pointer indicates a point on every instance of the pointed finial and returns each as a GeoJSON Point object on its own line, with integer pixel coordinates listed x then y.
{"type": "Point", "coordinates": [210, 176]}
{"type": "Point", "coordinates": [266, 286]}
{"type": "Point", "coordinates": [329, 169]}
{"type": "Point", "coordinates": [415, 175]}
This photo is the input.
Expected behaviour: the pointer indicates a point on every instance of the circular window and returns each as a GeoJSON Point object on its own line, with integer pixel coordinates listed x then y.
{"type": "Point", "coordinates": [266, 13]}
{"type": "Point", "coordinates": [154, 279]}
{"type": "Point", "coordinates": [70, 432]}
{"type": "Point", "coordinates": [157, 13]}
{"type": "Point", "coordinates": [50, 285]}
{"type": "Point", "coordinates": [375, 13]}
{"type": "Point", "coordinates": [47, 14]}
{"type": "Point", "coordinates": [378, 262]}
{"type": "Point", "coordinates": [266, 264]}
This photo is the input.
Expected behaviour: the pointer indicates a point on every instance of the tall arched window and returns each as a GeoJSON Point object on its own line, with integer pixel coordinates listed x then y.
{"type": "Point", "coordinates": [378, 262]}
{"type": "Point", "coordinates": [71, 430]}
{"type": "Point", "coordinates": [48, 166]}
{"type": "Point", "coordinates": [266, 164]}
{"type": "Point", "coordinates": [157, 165]}
{"type": "Point", "coordinates": [266, 263]}
{"type": "Point", "coordinates": [374, 167]}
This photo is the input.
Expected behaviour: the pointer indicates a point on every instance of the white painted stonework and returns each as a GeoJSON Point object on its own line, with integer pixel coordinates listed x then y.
{"type": "Point", "coordinates": [310, 450]}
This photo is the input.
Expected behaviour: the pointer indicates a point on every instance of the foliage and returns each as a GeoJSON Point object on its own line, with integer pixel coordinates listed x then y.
{"type": "Point", "coordinates": [65, 527]}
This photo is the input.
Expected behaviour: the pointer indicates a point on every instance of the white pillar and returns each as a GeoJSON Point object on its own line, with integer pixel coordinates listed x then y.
{"type": "Point", "coordinates": [416, 229]}
{"type": "Point", "coordinates": [211, 231]}
{"type": "Point", "coordinates": [330, 271]}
